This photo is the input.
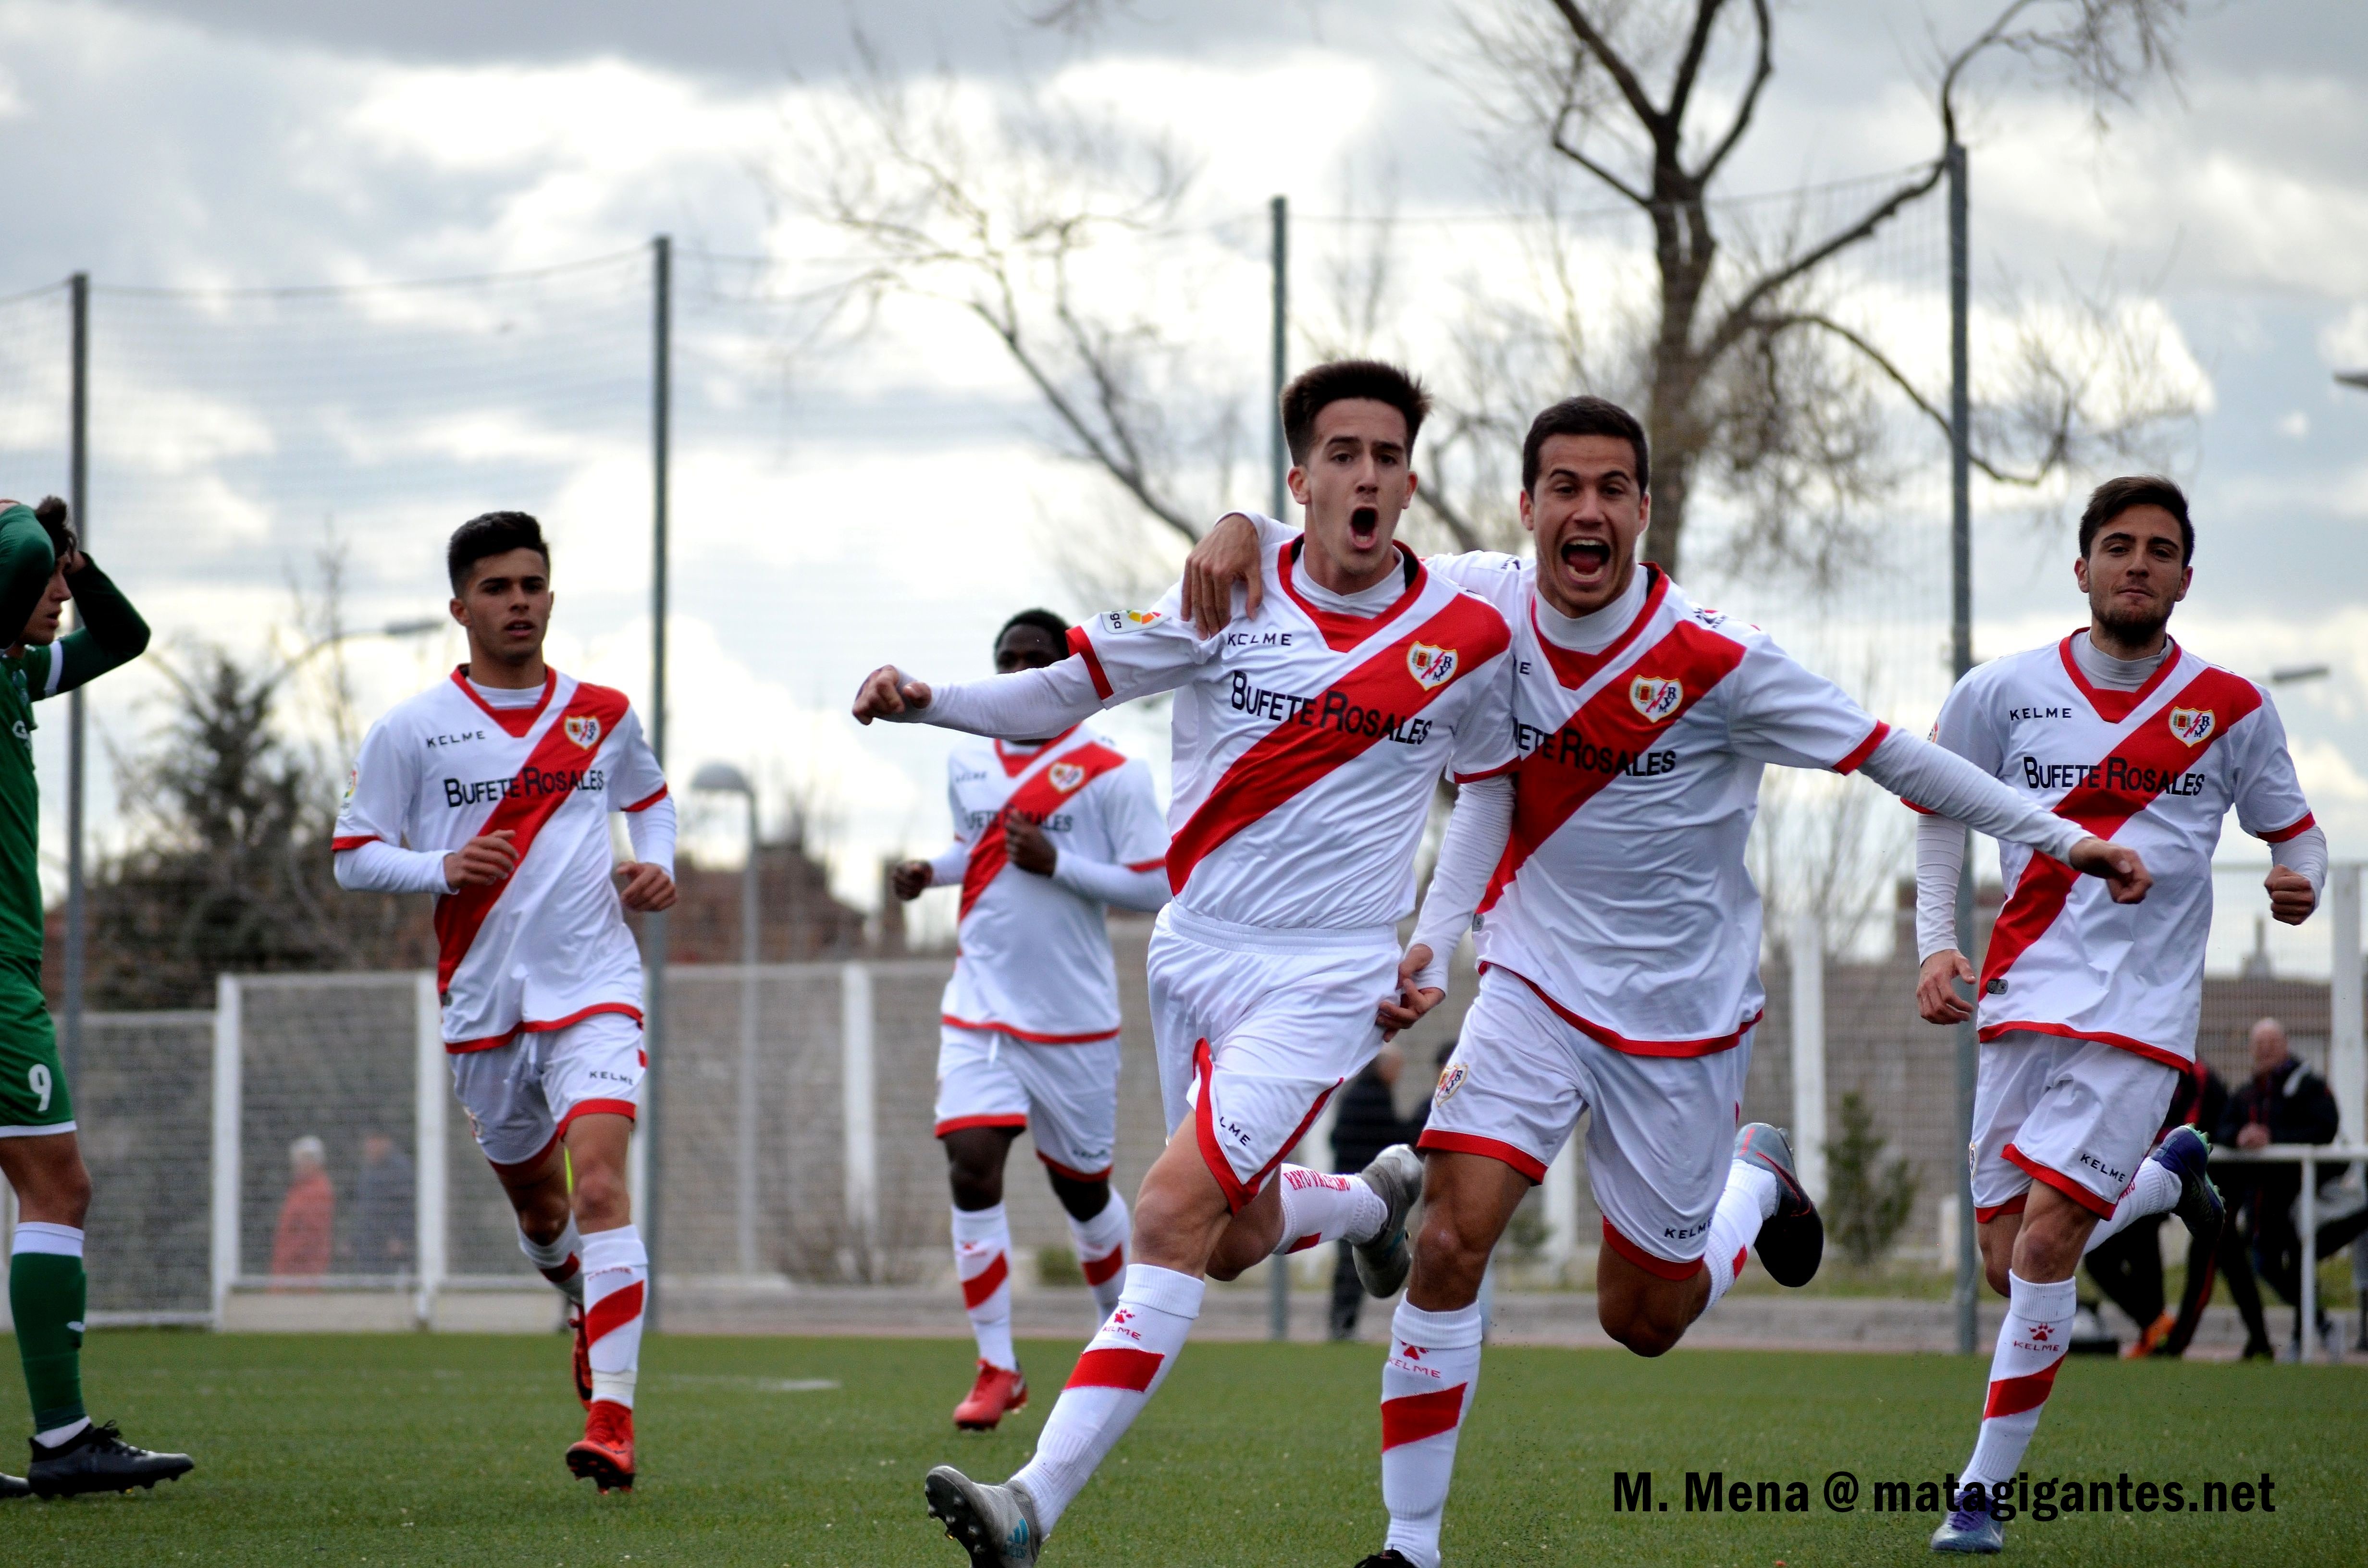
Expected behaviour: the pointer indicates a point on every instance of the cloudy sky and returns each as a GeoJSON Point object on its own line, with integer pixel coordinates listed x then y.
{"type": "Point", "coordinates": [895, 495]}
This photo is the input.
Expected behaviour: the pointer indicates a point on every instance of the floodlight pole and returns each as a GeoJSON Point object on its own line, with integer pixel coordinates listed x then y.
{"type": "Point", "coordinates": [1961, 659]}
{"type": "Point", "coordinates": [1277, 1312]}
{"type": "Point", "coordinates": [77, 893]}
{"type": "Point", "coordinates": [653, 956]}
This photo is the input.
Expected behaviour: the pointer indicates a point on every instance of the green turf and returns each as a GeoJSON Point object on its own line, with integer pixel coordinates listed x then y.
{"type": "Point", "coordinates": [399, 1449]}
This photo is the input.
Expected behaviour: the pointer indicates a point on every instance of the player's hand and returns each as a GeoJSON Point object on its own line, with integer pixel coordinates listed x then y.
{"type": "Point", "coordinates": [887, 693]}
{"type": "Point", "coordinates": [2291, 900]}
{"type": "Point", "coordinates": [2252, 1135]}
{"type": "Point", "coordinates": [1226, 554]}
{"type": "Point", "coordinates": [645, 887]}
{"type": "Point", "coordinates": [1937, 1001]}
{"type": "Point", "coordinates": [2125, 874]}
{"type": "Point", "coordinates": [1029, 849]}
{"type": "Point", "coordinates": [481, 862]}
{"type": "Point", "coordinates": [908, 879]}
{"type": "Point", "coordinates": [1413, 1001]}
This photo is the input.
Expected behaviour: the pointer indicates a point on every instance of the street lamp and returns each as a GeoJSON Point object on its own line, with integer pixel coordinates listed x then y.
{"type": "Point", "coordinates": [722, 778]}
{"type": "Point", "coordinates": [2353, 378]}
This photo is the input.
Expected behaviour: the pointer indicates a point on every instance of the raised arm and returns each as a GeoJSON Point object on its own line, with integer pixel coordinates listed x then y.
{"type": "Point", "coordinates": [1021, 706]}
{"type": "Point", "coordinates": [1948, 786]}
{"type": "Point", "coordinates": [111, 633]}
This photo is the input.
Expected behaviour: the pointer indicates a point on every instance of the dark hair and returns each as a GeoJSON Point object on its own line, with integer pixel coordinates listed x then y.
{"type": "Point", "coordinates": [493, 533]}
{"type": "Point", "coordinates": [50, 513]}
{"type": "Point", "coordinates": [1043, 621]}
{"type": "Point", "coordinates": [1585, 416]}
{"type": "Point", "coordinates": [2114, 498]}
{"type": "Point", "coordinates": [1312, 392]}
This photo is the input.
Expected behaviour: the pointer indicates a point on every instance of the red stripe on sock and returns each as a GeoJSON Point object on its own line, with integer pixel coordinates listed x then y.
{"type": "Point", "coordinates": [1415, 1417]}
{"type": "Point", "coordinates": [1737, 1272]}
{"type": "Point", "coordinates": [1304, 1243]}
{"type": "Point", "coordinates": [1098, 1270]}
{"type": "Point", "coordinates": [1116, 1369]}
{"type": "Point", "coordinates": [2012, 1396]}
{"type": "Point", "coordinates": [985, 1282]}
{"type": "Point", "coordinates": [612, 1312]}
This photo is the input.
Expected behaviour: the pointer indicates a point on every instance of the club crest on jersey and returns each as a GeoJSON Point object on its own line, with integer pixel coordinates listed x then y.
{"type": "Point", "coordinates": [1655, 697]}
{"type": "Point", "coordinates": [1451, 1080]}
{"type": "Point", "coordinates": [583, 729]}
{"type": "Point", "coordinates": [1431, 667]}
{"type": "Point", "coordinates": [1066, 776]}
{"type": "Point", "coordinates": [2193, 725]}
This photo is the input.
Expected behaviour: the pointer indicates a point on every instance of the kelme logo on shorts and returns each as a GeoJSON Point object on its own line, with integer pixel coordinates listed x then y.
{"type": "Point", "coordinates": [583, 729]}
{"type": "Point", "coordinates": [1655, 698]}
{"type": "Point", "coordinates": [1451, 1080]}
{"type": "Point", "coordinates": [2193, 725]}
{"type": "Point", "coordinates": [1066, 776]}
{"type": "Point", "coordinates": [1431, 667]}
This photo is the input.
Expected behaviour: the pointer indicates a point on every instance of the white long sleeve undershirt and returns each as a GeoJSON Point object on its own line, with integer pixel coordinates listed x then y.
{"type": "Point", "coordinates": [1022, 705]}
{"type": "Point", "coordinates": [651, 831]}
{"type": "Point", "coordinates": [1468, 855]}
{"type": "Point", "coordinates": [1145, 891]}
{"type": "Point", "coordinates": [380, 867]}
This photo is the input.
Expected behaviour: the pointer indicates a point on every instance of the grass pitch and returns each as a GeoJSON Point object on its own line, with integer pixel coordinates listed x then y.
{"type": "Point", "coordinates": [442, 1449]}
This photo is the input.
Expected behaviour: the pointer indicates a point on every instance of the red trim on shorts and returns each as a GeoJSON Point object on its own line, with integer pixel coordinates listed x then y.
{"type": "Point", "coordinates": [2280, 836]}
{"type": "Point", "coordinates": [1098, 1270]}
{"type": "Point", "coordinates": [356, 840]}
{"type": "Point", "coordinates": [1026, 1035]}
{"type": "Point", "coordinates": [595, 1107]}
{"type": "Point", "coordinates": [1865, 749]}
{"type": "Point", "coordinates": [1711, 1046]}
{"type": "Point", "coordinates": [1116, 1367]}
{"type": "Point", "coordinates": [985, 1282]}
{"type": "Point", "coordinates": [2011, 1206]}
{"type": "Point", "coordinates": [2182, 1065]}
{"type": "Point", "coordinates": [543, 1025]}
{"type": "Point", "coordinates": [647, 801]}
{"type": "Point", "coordinates": [2100, 1207]}
{"type": "Point", "coordinates": [965, 1123]}
{"type": "Point", "coordinates": [1082, 643]}
{"type": "Point", "coordinates": [2012, 1396]}
{"type": "Point", "coordinates": [612, 1312]}
{"type": "Point", "coordinates": [529, 1163]}
{"type": "Point", "coordinates": [1657, 1266]}
{"type": "Point", "coordinates": [1058, 1169]}
{"type": "Point", "coordinates": [1521, 1160]}
{"type": "Point", "coordinates": [1239, 1194]}
{"type": "Point", "coordinates": [1411, 1417]}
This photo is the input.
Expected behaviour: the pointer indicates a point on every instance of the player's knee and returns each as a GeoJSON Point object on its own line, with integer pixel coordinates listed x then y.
{"type": "Point", "coordinates": [975, 1186]}
{"type": "Point", "coordinates": [1081, 1200]}
{"type": "Point", "coordinates": [1996, 1273]}
{"type": "Point", "coordinates": [1447, 1263]}
{"type": "Point", "coordinates": [1641, 1331]}
{"type": "Point", "coordinates": [602, 1201]}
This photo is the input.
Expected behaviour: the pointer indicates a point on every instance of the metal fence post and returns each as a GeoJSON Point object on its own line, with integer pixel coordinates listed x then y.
{"type": "Point", "coordinates": [2346, 1053]}
{"type": "Point", "coordinates": [858, 1109]}
{"type": "Point", "coordinates": [430, 1100]}
{"type": "Point", "coordinates": [1809, 1051]}
{"type": "Point", "coordinates": [228, 1096]}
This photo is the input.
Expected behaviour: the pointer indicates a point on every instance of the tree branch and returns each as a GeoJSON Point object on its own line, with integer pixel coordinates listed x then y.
{"type": "Point", "coordinates": [1467, 537]}
{"type": "Point", "coordinates": [1681, 90]}
{"type": "Point", "coordinates": [1762, 69]}
{"type": "Point", "coordinates": [1623, 74]}
{"type": "Point", "coordinates": [1739, 316]}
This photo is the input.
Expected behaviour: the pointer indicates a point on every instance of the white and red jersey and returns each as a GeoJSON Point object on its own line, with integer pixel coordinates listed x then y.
{"type": "Point", "coordinates": [2155, 769]}
{"type": "Point", "coordinates": [1035, 957]}
{"type": "Point", "coordinates": [1308, 742]}
{"type": "Point", "coordinates": [1621, 898]}
{"type": "Point", "coordinates": [548, 945]}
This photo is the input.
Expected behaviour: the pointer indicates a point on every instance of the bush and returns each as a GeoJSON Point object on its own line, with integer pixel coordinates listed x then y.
{"type": "Point", "coordinates": [1866, 1203]}
{"type": "Point", "coordinates": [1056, 1266]}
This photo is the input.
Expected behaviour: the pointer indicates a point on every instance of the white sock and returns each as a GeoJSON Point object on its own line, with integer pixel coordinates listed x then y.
{"type": "Point", "coordinates": [1101, 1253]}
{"type": "Point", "coordinates": [2155, 1191]}
{"type": "Point", "coordinates": [1121, 1368]}
{"type": "Point", "coordinates": [58, 1241]}
{"type": "Point", "coordinates": [616, 1282]}
{"type": "Point", "coordinates": [1427, 1387]}
{"type": "Point", "coordinates": [983, 1264]}
{"type": "Point", "coordinates": [2022, 1370]}
{"type": "Point", "coordinates": [1750, 1197]}
{"type": "Point", "coordinates": [559, 1260]}
{"type": "Point", "coordinates": [1319, 1208]}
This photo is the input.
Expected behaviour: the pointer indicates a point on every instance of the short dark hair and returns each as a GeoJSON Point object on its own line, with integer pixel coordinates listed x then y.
{"type": "Point", "coordinates": [56, 522]}
{"type": "Point", "coordinates": [1585, 416]}
{"type": "Point", "coordinates": [2114, 498]}
{"type": "Point", "coordinates": [492, 533]}
{"type": "Point", "coordinates": [1043, 621]}
{"type": "Point", "coordinates": [1312, 391]}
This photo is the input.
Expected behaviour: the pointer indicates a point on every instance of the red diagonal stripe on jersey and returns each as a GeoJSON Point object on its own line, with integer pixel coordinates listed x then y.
{"type": "Point", "coordinates": [1116, 1368]}
{"type": "Point", "coordinates": [2012, 1396]}
{"type": "Point", "coordinates": [986, 1281]}
{"type": "Point", "coordinates": [1300, 750]}
{"type": "Point", "coordinates": [612, 1312]}
{"type": "Point", "coordinates": [2152, 753]}
{"type": "Point", "coordinates": [1412, 1418]}
{"type": "Point", "coordinates": [459, 916]}
{"type": "Point", "coordinates": [1607, 726]}
{"type": "Point", "coordinates": [1035, 798]}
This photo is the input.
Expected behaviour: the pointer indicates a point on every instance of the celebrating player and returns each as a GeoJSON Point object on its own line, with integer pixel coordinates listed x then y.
{"type": "Point", "coordinates": [42, 566]}
{"type": "Point", "coordinates": [493, 792]}
{"type": "Point", "coordinates": [2089, 1010]}
{"type": "Point", "coordinates": [1308, 740]}
{"type": "Point", "coordinates": [1046, 834]}
{"type": "Point", "coordinates": [1618, 934]}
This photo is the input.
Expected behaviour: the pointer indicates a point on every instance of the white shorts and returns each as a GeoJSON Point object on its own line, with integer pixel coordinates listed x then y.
{"type": "Point", "coordinates": [1658, 1143]}
{"type": "Point", "coordinates": [521, 1096]}
{"type": "Point", "coordinates": [1256, 1028]}
{"type": "Point", "coordinates": [2077, 1114]}
{"type": "Point", "coordinates": [1065, 1096]}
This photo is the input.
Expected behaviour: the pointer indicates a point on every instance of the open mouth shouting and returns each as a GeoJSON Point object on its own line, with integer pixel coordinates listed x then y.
{"type": "Point", "coordinates": [1586, 561]}
{"type": "Point", "coordinates": [1365, 525]}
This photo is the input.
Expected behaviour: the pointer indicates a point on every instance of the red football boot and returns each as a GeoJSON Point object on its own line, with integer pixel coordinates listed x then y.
{"type": "Point", "coordinates": [583, 1355]}
{"type": "Point", "coordinates": [605, 1456]}
{"type": "Point", "coordinates": [999, 1392]}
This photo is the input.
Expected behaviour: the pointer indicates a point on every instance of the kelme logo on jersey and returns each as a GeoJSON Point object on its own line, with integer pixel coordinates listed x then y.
{"type": "Point", "coordinates": [1431, 667]}
{"type": "Point", "coordinates": [1655, 698]}
{"type": "Point", "coordinates": [583, 729]}
{"type": "Point", "coordinates": [1066, 776]}
{"type": "Point", "coordinates": [1451, 1080]}
{"type": "Point", "coordinates": [2193, 725]}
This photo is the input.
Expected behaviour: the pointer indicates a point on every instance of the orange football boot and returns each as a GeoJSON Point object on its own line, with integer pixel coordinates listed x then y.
{"type": "Point", "coordinates": [999, 1392]}
{"type": "Point", "coordinates": [605, 1456]}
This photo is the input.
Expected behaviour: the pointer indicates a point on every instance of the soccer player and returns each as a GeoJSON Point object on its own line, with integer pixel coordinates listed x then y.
{"type": "Point", "coordinates": [42, 566]}
{"type": "Point", "coordinates": [1618, 936]}
{"type": "Point", "coordinates": [492, 790]}
{"type": "Point", "coordinates": [1047, 834]}
{"type": "Point", "coordinates": [1308, 741]}
{"type": "Point", "coordinates": [2087, 1010]}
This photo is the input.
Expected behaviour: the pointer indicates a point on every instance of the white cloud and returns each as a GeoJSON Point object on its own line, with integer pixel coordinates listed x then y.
{"type": "Point", "coordinates": [2343, 343]}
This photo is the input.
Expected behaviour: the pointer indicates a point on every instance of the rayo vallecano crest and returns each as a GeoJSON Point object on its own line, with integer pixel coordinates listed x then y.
{"type": "Point", "coordinates": [1655, 697]}
{"type": "Point", "coordinates": [2193, 725]}
{"type": "Point", "coordinates": [583, 729]}
{"type": "Point", "coordinates": [1066, 776]}
{"type": "Point", "coordinates": [1431, 667]}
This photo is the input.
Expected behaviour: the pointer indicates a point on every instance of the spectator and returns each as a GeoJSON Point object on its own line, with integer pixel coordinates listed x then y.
{"type": "Point", "coordinates": [384, 1222]}
{"type": "Point", "coordinates": [2286, 1102]}
{"type": "Point", "coordinates": [308, 1215]}
{"type": "Point", "coordinates": [1367, 1123]}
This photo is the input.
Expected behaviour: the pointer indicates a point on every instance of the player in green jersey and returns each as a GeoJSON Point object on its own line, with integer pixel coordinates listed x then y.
{"type": "Point", "coordinates": [41, 568]}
